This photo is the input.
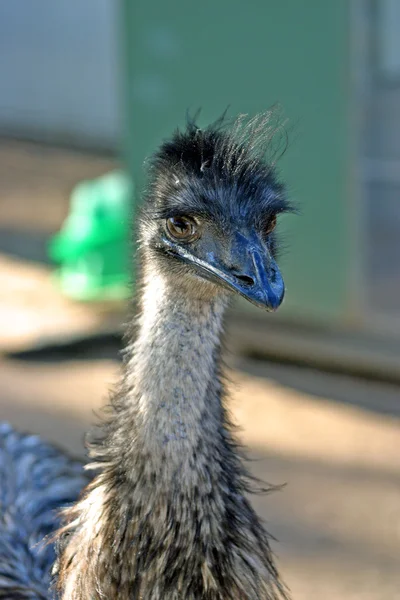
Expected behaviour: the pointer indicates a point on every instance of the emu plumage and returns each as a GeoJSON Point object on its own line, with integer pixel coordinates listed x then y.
{"type": "Point", "coordinates": [167, 516]}
{"type": "Point", "coordinates": [36, 479]}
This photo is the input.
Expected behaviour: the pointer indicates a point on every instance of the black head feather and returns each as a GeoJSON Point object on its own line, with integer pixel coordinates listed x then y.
{"type": "Point", "coordinates": [220, 172]}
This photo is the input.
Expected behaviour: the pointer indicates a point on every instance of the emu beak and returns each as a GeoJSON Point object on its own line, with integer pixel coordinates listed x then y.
{"type": "Point", "coordinates": [254, 274]}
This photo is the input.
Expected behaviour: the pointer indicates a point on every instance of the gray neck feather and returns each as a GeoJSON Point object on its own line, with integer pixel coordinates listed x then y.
{"type": "Point", "coordinates": [173, 372]}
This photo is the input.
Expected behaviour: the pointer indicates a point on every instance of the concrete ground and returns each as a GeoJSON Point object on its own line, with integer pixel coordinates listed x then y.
{"type": "Point", "coordinates": [334, 440]}
{"type": "Point", "coordinates": [337, 520]}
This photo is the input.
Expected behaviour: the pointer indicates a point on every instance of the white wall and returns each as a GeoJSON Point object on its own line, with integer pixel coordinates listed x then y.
{"type": "Point", "coordinates": [59, 70]}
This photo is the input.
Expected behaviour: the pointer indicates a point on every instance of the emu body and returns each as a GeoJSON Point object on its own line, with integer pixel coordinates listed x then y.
{"type": "Point", "coordinates": [36, 479]}
{"type": "Point", "coordinates": [166, 516]}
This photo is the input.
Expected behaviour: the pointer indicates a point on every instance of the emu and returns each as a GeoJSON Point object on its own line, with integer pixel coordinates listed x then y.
{"type": "Point", "coordinates": [166, 514]}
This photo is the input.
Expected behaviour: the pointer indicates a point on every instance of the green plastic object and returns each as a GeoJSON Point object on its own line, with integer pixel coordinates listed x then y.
{"type": "Point", "coordinates": [92, 247]}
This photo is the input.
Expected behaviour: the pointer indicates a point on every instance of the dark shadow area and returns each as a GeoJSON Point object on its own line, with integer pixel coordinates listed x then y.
{"type": "Point", "coordinates": [25, 245]}
{"type": "Point", "coordinates": [378, 397]}
{"type": "Point", "coordinates": [96, 347]}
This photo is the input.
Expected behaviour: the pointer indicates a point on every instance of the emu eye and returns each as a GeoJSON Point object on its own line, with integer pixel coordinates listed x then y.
{"type": "Point", "coordinates": [183, 229]}
{"type": "Point", "coordinates": [271, 225]}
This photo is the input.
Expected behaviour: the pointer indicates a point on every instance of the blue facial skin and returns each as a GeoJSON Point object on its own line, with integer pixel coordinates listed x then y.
{"type": "Point", "coordinates": [259, 279]}
{"type": "Point", "coordinates": [249, 269]}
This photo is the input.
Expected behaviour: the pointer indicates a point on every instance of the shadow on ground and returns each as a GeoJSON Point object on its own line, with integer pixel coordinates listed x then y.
{"type": "Point", "coordinates": [379, 397]}
{"type": "Point", "coordinates": [27, 245]}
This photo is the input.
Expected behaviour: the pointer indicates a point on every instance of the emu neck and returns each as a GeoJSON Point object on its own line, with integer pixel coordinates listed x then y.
{"type": "Point", "coordinates": [174, 371]}
{"type": "Point", "coordinates": [167, 517]}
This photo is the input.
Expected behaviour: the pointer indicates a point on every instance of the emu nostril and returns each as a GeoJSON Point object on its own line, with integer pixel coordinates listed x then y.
{"type": "Point", "coordinates": [246, 279]}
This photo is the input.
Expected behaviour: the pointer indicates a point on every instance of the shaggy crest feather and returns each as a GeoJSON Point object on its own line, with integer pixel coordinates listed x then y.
{"type": "Point", "coordinates": [238, 158]}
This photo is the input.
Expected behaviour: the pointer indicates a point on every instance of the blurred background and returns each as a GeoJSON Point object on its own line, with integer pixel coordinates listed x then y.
{"type": "Point", "coordinates": [88, 90]}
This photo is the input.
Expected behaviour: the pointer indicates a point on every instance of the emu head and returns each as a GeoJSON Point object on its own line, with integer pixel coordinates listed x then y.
{"type": "Point", "coordinates": [210, 211]}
